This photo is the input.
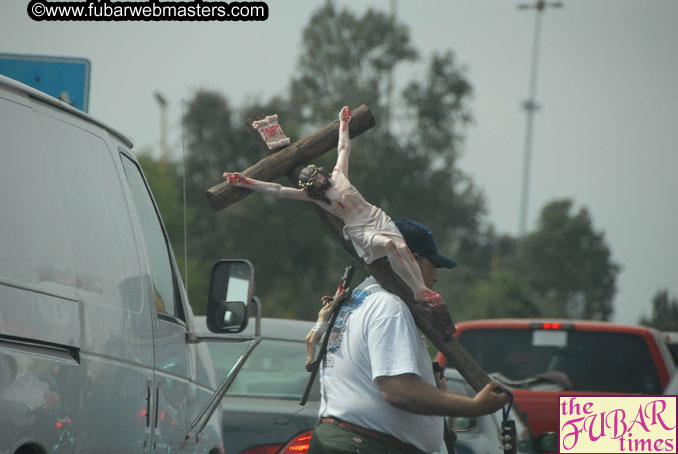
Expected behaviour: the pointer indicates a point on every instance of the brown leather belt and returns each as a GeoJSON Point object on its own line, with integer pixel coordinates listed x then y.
{"type": "Point", "coordinates": [387, 439]}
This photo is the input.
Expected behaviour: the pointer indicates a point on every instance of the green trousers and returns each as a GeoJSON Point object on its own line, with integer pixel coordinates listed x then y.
{"type": "Point", "coordinates": [332, 439]}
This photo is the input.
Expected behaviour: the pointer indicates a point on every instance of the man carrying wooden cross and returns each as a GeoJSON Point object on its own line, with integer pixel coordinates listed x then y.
{"type": "Point", "coordinates": [378, 388]}
{"type": "Point", "coordinates": [372, 232]}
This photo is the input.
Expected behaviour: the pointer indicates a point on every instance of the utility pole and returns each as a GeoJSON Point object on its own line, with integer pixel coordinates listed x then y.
{"type": "Point", "coordinates": [530, 107]}
{"type": "Point", "coordinates": [389, 86]}
{"type": "Point", "coordinates": [163, 128]}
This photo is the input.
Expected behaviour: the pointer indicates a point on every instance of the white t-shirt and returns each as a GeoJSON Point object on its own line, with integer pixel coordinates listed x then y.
{"type": "Point", "coordinates": [374, 336]}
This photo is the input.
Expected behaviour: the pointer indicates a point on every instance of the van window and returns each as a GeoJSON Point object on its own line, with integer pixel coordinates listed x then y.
{"type": "Point", "coordinates": [164, 289]}
{"type": "Point", "coordinates": [75, 234]}
{"type": "Point", "coordinates": [34, 243]}
{"type": "Point", "coordinates": [274, 369]}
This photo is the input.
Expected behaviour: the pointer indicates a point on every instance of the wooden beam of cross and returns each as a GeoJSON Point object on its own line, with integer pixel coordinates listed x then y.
{"type": "Point", "coordinates": [286, 160]}
{"type": "Point", "coordinates": [435, 323]}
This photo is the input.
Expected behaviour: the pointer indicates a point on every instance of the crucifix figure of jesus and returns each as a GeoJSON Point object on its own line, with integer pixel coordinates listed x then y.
{"type": "Point", "coordinates": [372, 232]}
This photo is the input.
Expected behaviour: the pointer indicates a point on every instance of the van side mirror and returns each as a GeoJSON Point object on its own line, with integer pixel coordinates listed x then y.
{"type": "Point", "coordinates": [231, 290]}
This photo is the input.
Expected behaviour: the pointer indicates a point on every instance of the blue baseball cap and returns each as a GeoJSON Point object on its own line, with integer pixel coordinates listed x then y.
{"type": "Point", "coordinates": [420, 240]}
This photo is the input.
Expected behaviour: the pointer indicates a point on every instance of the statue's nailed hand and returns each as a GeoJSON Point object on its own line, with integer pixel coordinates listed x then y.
{"type": "Point", "coordinates": [237, 179]}
{"type": "Point", "coordinates": [345, 115]}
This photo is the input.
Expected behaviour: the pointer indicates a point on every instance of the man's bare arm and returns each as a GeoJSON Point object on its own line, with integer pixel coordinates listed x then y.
{"type": "Point", "coordinates": [344, 145]}
{"type": "Point", "coordinates": [272, 189]}
{"type": "Point", "coordinates": [411, 393]}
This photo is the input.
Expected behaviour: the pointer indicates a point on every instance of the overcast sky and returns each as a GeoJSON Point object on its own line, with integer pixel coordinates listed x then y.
{"type": "Point", "coordinates": [605, 135]}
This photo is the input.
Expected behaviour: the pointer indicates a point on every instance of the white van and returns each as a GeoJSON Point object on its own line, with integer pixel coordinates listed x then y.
{"type": "Point", "coordinates": [98, 352]}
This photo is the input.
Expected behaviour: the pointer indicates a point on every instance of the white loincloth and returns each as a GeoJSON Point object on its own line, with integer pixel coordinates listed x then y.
{"type": "Point", "coordinates": [361, 233]}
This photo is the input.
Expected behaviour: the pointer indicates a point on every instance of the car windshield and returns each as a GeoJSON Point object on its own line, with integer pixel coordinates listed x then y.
{"type": "Point", "coordinates": [593, 361]}
{"type": "Point", "coordinates": [274, 369]}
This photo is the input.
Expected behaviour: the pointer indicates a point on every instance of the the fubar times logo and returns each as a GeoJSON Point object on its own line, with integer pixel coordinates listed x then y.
{"type": "Point", "coordinates": [617, 424]}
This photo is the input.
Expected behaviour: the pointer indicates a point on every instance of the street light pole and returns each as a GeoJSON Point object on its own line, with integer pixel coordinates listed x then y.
{"type": "Point", "coordinates": [530, 107]}
{"type": "Point", "coordinates": [163, 128]}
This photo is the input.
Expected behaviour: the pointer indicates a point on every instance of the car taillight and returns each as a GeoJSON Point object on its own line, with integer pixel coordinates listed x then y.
{"type": "Point", "coordinates": [262, 449]}
{"type": "Point", "coordinates": [551, 325]}
{"type": "Point", "coordinates": [299, 444]}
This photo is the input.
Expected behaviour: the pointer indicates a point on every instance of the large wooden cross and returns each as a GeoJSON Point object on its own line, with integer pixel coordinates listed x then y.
{"type": "Point", "coordinates": [436, 323]}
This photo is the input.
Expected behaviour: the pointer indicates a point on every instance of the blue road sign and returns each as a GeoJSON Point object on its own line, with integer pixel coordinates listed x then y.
{"type": "Point", "coordinates": [62, 77]}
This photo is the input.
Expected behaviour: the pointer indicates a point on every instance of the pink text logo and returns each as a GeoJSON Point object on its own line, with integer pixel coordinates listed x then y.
{"type": "Point", "coordinates": [617, 424]}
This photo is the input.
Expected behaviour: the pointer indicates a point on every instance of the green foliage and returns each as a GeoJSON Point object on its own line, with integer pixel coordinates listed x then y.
{"type": "Point", "coordinates": [504, 294]}
{"type": "Point", "coordinates": [165, 182]}
{"type": "Point", "coordinates": [439, 108]}
{"type": "Point", "coordinates": [347, 60]}
{"type": "Point", "coordinates": [563, 269]}
{"type": "Point", "coordinates": [569, 264]}
{"type": "Point", "coordinates": [282, 238]}
{"type": "Point", "coordinates": [664, 312]}
{"type": "Point", "coordinates": [406, 164]}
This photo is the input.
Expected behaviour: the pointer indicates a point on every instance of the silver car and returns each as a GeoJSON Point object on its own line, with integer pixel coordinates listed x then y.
{"type": "Point", "coordinates": [672, 387]}
{"type": "Point", "coordinates": [261, 410]}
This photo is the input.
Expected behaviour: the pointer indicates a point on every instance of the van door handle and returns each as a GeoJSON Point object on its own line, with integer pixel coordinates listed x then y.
{"type": "Point", "coordinates": [148, 405]}
{"type": "Point", "coordinates": [157, 405]}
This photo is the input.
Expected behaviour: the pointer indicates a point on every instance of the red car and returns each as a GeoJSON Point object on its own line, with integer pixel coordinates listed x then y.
{"type": "Point", "coordinates": [541, 358]}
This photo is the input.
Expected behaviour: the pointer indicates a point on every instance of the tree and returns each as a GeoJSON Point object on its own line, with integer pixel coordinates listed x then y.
{"type": "Point", "coordinates": [165, 183]}
{"type": "Point", "coordinates": [503, 294]}
{"type": "Point", "coordinates": [345, 59]}
{"type": "Point", "coordinates": [348, 60]}
{"type": "Point", "coordinates": [664, 312]}
{"type": "Point", "coordinates": [569, 264]}
{"type": "Point", "coordinates": [282, 238]}
{"type": "Point", "coordinates": [406, 164]}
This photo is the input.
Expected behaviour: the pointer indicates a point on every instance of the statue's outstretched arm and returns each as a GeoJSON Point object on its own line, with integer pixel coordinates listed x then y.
{"type": "Point", "coordinates": [344, 145]}
{"type": "Point", "coordinates": [272, 189]}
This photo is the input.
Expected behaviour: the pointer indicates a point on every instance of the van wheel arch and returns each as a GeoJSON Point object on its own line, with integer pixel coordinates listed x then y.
{"type": "Point", "coordinates": [30, 448]}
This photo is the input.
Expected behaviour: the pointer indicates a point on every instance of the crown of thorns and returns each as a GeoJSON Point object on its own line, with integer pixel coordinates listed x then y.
{"type": "Point", "coordinates": [308, 176]}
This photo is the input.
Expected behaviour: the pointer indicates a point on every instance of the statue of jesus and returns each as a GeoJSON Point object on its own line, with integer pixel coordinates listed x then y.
{"type": "Point", "coordinates": [370, 230]}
